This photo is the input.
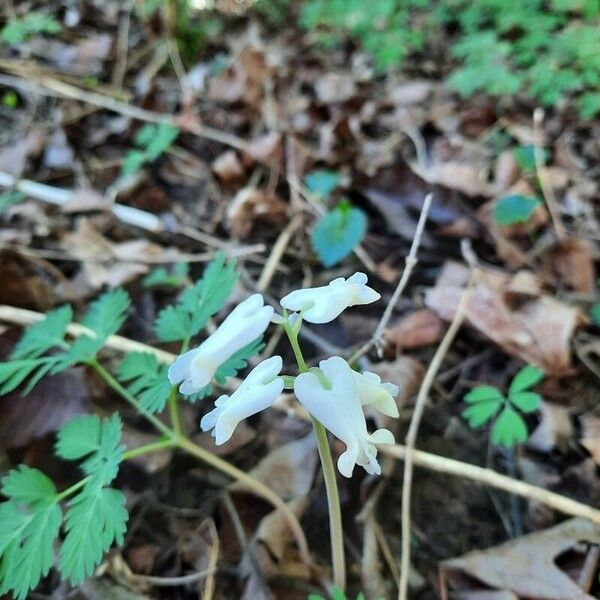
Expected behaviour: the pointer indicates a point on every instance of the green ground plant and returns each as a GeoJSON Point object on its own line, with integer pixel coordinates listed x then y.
{"type": "Point", "coordinates": [487, 402]}
{"type": "Point", "coordinates": [545, 50]}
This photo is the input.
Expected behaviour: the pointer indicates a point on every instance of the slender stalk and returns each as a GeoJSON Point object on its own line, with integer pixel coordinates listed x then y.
{"type": "Point", "coordinates": [336, 530]}
{"type": "Point", "coordinates": [173, 403]}
{"type": "Point", "coordinates": [71, 490]}
{"type": "Point", "coordinates": [147, 448]}
{"type": "Point", "coordinates": [333, 505]}
{"type": "Point", "coordinates": [117, 387]}
{"type": "Point", "coordinates": [253, 485]}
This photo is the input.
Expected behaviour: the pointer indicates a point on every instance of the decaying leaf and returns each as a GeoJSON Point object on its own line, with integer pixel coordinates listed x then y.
{"type": "Point", "coordinates": [251, 205]}
{"type": "Point", "coordinates": [538, 331]}
{"type": "Point", "coordinates": [573, 262]}
{"type": "Point", "coordinates": [554, 431]}
{"type": "Point", "coordinates": [227, 167]}
{"type": "Point", "coordinates": [415, 330]}
{"type": "Point", "coordinates": [590, 435]}
{"type": "Point", "coordinates": [526, 566]}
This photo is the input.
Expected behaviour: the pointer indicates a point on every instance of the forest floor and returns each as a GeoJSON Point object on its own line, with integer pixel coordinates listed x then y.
{"type": "Point", "coordinates": [259, 112]}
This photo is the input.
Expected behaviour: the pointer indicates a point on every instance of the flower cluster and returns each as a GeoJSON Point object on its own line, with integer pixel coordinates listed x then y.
{"type": "Point", "coordinates": [334, 393]}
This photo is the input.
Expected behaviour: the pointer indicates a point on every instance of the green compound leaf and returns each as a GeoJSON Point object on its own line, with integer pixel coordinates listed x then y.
{"type": "Point", "coordinates": [133, 161]}
{"type": "Point", "coordinates": [198, 303]}
{"type": "Point", "coordinates": [107, 313]}
{"type": "Point", "coordinates": [509, 428]}
{"type": "Point", "coordinates": [13, 373]}
{"type": "Point", "coordinates": [595, 313]}
{"type": "Point", "coordinates": [483, 393]}
{"type": "Point", "coordinates": [338, 232]}
{"type": "Point", "coordinates": [511, 210]}
{"type": "Point", "coordinates": [26, 544]}
{"type": "Point", "coordinates": [481, 412]}
{"type": "Point", "coordinates": [29, 525]}
{"type": "Point", "coordinates": [526, 401]}
{"type": "Point", "coordinates": [25, 485]}
{"type": "Point", "coordinates": [17, 29]}
{"type": "Point", "coordinates": [161, 141]}
{"type": "Point", "coordinates": [42, 336]}
{"type": "Point", "coordinates": [160, 277]}
{"type": "Point", "coordinates": [96, 440]}
{"type": "Point", "coordinates": [526, 378]}
{"type": "Point", "coordinates": [148, 380]}
{"type": "Point", "coordinates": [9, 198]}
{"type": "Point", "coordinates": [322, 182]}
{"type": "Point", "coordinates": [95, 520]}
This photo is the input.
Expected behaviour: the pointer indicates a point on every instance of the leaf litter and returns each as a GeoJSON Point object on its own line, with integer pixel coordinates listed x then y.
{"type": "Point", "coordinates": [292, 110]}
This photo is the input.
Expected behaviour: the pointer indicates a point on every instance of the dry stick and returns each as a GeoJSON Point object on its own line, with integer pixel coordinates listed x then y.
{"type": "Point", "coordinates": [277, 252]}
{"type": "Point", "coordinates": [413, 430]}
{"type": "Point", "coordinates": [411, 261]}
{"type": "Point", "coordinates": [46, 86]}
{"type": "Point", "coordinates": [427, 460]}
{"type": "Point", "coordinates": [540, 169]}
{"type": "Point", "coordinates": [449, 466]}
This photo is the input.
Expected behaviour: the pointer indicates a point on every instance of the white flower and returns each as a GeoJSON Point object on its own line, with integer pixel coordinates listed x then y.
{"type": "Point", "coordinates": [196, 368]}
{"type": "Point", "coordinates": [258, 391]}
{"type": "Point", "coordinates": [323, 304]}
{"type": "Point", "coordinates": [338, 407]}
{"type": "Point", "coordinates": [375, 393]}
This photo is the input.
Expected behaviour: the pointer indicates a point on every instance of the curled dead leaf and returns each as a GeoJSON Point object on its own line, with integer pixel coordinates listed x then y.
{"type": "Point", "coordinates": [415, 330]}
{"type": "Point", "coordinates": [526, 566]}
{"type": "Point", "coordinates": [251, 205]}
{"type": "Point", "coordinates": [538, 331]}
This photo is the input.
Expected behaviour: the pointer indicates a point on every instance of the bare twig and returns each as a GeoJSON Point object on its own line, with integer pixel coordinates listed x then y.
{"type": "Point", "coordinates": [481, 475]}
{"type": "Point", "coordinates": [47, 86]}
{"type": "Point", "coordinates": [172, 581]}
{"type": "Point", "coordinates": [540, 169]}
{"type": "Point", "coordinates": [413, 431]}
{"type": "Point", "coordinates": [411, 261]}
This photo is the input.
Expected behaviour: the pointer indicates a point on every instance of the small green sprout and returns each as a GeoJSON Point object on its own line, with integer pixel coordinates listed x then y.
{"type": "Point", "coordinates": [511, 210]}
{"type": "Point", "coordinates": [336, 594]}
{"type": "Point", "coordinates": [486, 401]}
{"type": "Point", "coordinates": [19, 29]}
{"type": "Point", "coordinates": [152, 141]}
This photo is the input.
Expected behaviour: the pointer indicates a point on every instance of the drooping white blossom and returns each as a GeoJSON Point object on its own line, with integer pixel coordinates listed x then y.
{"type": "Point", "coordinates": [372, 391]}
{"type": "Point", "coordinates": [258, 391]}
{"type": "Point", "coordinates": [323, 304]}
{"type": "Point", "coordinates": [337, 405]}
{"type": "Point", "coordinates": [196, 368]}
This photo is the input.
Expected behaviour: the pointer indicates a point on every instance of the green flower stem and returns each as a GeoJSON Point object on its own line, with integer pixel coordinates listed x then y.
{"type": "Point", "coordinates": [161, 444]}
{"type": "Point", "coordinates": [178, 440]}
{"type": "Point", "coordinates": [117, 387]}
{"type": "Point", "coordinates": [173, 403]}
{"type": "Point", "coordinates": [71, 490]}
{"type": "Point", "coordinates": [336, 530]}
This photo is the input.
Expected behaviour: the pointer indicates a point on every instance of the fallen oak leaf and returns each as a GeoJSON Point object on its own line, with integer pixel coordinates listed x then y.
{"type": "Point", "coordinates": [415, 330]}
{"type": "Point", "coordinates": [526, 566]}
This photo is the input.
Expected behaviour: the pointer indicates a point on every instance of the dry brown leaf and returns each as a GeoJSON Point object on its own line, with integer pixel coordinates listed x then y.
{"type": "Point", "coordinates": [464, 177]}
{"type": "Point", "coordinates": [590, 435]}
{"type": "Point", "coordinates": [555, 430]}
{"type": "Point", "coordinates": [251, 205]}
{"type": "Point", "coordinates": [573, 262]}
{"type": "Point", "coordinates": [244, 80]}
{"type": "Point", "coordinates": [506, 171]}
{"type": "Point", "coordinates": [228, 167]}
{"type": "Point", "coordinates": [524, 283]}
{"type": "Point", "coordinates": [526, 566]}
{"type": "Point", "coordinates": [538, 331]}
{"type": "Point", "coordinates": [267, 150]}
{"type": "Point", "coordinates": [288, 470]}
{"type": "Point", "coordinates": [333, 88]}
{"type": "Point", "coordinates": [14, 155]}
{"type": "Point", "coordinates": [415, 330]}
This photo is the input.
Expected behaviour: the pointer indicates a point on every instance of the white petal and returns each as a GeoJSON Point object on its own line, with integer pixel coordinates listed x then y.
{"type": "Point", "coordinates": [383, 436]}
{"type": "Point", "coordinates": [299, 299]}
{"type": "Point", "coordinates": [358, 278]}
{"type": "Point", "coordinates": [347, 460]}
{"type": "Point", "coordinates": [178, 371]}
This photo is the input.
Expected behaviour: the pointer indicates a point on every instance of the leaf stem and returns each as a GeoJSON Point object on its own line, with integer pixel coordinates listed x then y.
{"type": "Point", "coordinates": [161, 444]}
{"type": "Point", "coordinates": [336, 530]}
{"type": "Point", "coordinates": [71, 490]}
{"type": "Point", "coordinates": [117, 387]}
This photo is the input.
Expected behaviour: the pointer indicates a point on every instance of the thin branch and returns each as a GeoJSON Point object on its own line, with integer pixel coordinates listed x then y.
{"type": "Point", "coordinates": [410, 263]}
{"type": "Point", "coordinates": [488, 477]}
{"type": "Point", "coordinates": [413, 431]}
{"type": "Point", "coordinates": [47, 86]}
{"type": "Point", "coordinates": [540, 169]}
